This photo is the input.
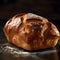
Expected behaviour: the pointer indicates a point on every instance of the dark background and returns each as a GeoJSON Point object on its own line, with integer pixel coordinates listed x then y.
{"type": "Point", "coordinates": [46, 8]}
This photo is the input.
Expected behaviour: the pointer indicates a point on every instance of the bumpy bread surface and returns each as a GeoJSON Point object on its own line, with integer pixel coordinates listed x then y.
{"type": "Point", "coordinates": [31, 32]}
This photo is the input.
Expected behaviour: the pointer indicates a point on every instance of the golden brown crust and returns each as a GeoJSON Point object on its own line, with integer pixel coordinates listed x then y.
{"type": "Point", "coordinates": [31, 32]}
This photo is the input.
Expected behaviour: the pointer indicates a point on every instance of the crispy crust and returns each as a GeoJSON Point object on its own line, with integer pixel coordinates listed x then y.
{"type": "Point", "coordinates": [31, 32]}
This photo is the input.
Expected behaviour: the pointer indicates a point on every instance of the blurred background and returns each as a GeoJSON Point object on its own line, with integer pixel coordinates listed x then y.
{"type": "Point", "coordinates": [49, 9]}
{"type": "Point", "coordinates": [46, 8]}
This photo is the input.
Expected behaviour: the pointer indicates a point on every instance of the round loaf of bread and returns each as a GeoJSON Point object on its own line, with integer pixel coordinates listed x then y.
{"type": "Point", "coordinates": [31, 32]}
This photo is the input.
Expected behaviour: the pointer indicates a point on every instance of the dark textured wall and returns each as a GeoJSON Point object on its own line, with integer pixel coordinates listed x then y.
{"type": "Point", "coordinates": [47, 8]}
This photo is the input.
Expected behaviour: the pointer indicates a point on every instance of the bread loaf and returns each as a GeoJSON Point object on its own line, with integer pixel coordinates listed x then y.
{"type": "Point", "coordinates": [31, 32]}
